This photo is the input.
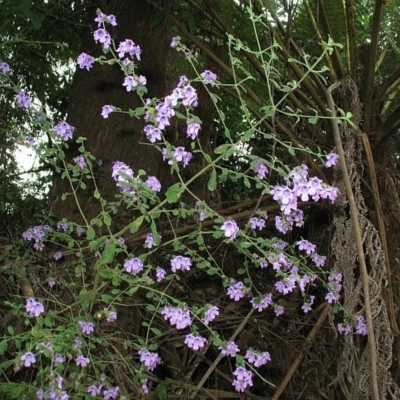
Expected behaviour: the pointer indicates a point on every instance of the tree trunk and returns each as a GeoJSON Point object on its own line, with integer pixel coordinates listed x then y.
{"type": "Point", "coordinates": [119, 137]}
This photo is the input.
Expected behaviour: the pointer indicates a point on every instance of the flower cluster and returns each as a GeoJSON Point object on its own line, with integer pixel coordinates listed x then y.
{"type": "Point", "coordinates": [149, 359]}
{"type": "Point", "coordinates": [133, 265]}
{"type": "Point", "coordinates": [299, 186]}
{"type": "Point", "coordinates": [180, 317]}
{"type": "Point", "coordinates": [256, 358]}
{"type": "Point", "coordinates": [360, 327]}
{"type": "Point", "coordinates": [231, 349]}
{"type": "Point", "coordinates": [37, 234]}
{"type": "Point", "coordinates": [243, 379]}
{"type": "Point", "coordinates": [64, 130]}
{"type": "Point", "coordinates": [236, 290]}
{"type": "Point", "coordinates": [195, 342]}
{"type": "Point", "coordinates": [210, 314]}
{"type": "Point", "coordinates": [86, 327]}
{"type": "Point", "coordinates": [180, 263]}
{"type": "Point", "coordinates": [334, 286]}
{"type": "Point", "coordinates": [23, 100]}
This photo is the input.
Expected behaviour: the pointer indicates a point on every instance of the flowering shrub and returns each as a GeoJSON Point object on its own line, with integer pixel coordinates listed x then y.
{"type": "Point", "coordinates": [71, 345]}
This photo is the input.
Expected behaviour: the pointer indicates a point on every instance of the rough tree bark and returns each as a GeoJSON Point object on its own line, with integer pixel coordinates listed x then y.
{"type": "Point", "coordinates": [118, 137]}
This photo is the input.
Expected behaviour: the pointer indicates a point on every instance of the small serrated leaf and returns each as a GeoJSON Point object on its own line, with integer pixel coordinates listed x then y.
{"type": "Point", "coordinates": [173, 193]}
{"type": "Point", "coordinates": [90, 233]}
{"type": "Point", "coordinates": [212, 182]}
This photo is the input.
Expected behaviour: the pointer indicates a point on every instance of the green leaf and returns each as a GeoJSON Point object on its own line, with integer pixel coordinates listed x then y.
{"type": "Point", "coordinates": [212, 182]}
{"type": "Point", "coordinates": [159, 393]}
{"type": "Point", "coordinates": [90, 233]}
{"type": "Point", "coordinates": [96, 194]}
{"type": "Point", "coordinates": [173, 193]}
{"type": "Point", "coordinates": [107, 219]}
{"type": "Point", "coordinates": [212, 271]}
{"type": "Point", "coordinates": [135, 225]}
{"type": "Point", "coordinates": [108, 254]}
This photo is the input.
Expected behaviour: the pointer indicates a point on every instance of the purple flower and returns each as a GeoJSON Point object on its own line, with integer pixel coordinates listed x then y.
{"type": "Point", "coordinates": [361, 327]}
{"type": "Point", "coordinates": [210, 314]}
{"type": "Point", "coordinates": [86, 327]}
{"type": "Point", "coordinates": [85, 61]}
{"type": "Point", "coordinates": [279, 310]}
{"type": "Point", "coordinates": [111, 393]}
{"type": "Point", "coordinates": [236, 290]}
{"type": "Point", "coordinates": [111, 316]}
{"type": "Point", "coordinates": [4, 67]}
{"type": "Point", "coordinates": [94, 390]}
{"type": "Point", "coordinates": [128, 47]}
{"type": "Point", "coordinates": [58, 255]}
{"type": "Point", "coordinates": [261, 170]}
{"type": "Point", "coordinates": [331, 159]}
{"type": "Point", "coordinates": [150, 242]}
{"type": "Point", "coordinates": [175, 41]}
{"type": "Point", "coordinates": [80, 161]}
{"type": "Point", "coordinates": [31, 141]}
{"type": "Point", "coordinates": [286, 285]}
{"type": "Point", "coordinates": [209, 77]}
{"type": "Point", "coordinates": [283, 225]}
{"type": "Point", "coordinates": [144, 387]}
{"type": "Point", "coordinates": [130, 83]}
{"type": "Point", "coordinates": [345, 329]}
{"type": "Point", "coordinates": [306, 307]}
{"type": "Point", "coordinates": [34, 308]}
{"type": "Point", "coordinates": [334, 286]}
{"type": "Point", "coordinates": [102, 36]}
{"type": "Point", "coordinates": [111, 20]}
{"type": "Point", "coordinates": [261, 304]}
{"type": "Point", "coordinates": [160, 274]}
{"type": "Point", "coordinates": [62, 226]}
{"type": "Point", "coordinates": [318, 260]}
{"type": "Point", "coordinates": [181, 155]}
{"type": "Point", "coordinates": [51, 282]}
{"type": "Point", "coordinates": [256, 358]}
{"type": "Point", "coordinates": [180, 317]}
{"type": "Point", "coordinates": [230, 349]}
{"type": "Point", "coordinates": [153, 183]}
{"type": "Point", "coordinates": [77, 343]}
{"type": "Point", "coordinates": [243, 379]}
{"type": "Point", "coordinates": [230, 229]}
{"type": "Point", "coordinates": [152, 133]}
{"type": "Point", "coordinates": [107, 110]}
{"type": "Point", "coordinates": [82, 361]}
{"type": "Point", "coordinates": [189, 96]}
{"type": "Point", "coordinates": [307, 246]}
{"type": "Point", "coordinates": [100, 18]}
{"type": "Point", "coordinates": [23, 100]}
{"type": "Point", "coordinates": [134, 265]}
{"type": "Point", "coordinates": [28, 359]}
{"type": "Point", "coordinates": [180, 263]}
{"type": "Point", "coordinates": [195, 342]}
{"type": "Point", "coordinates": [64, 130]}
{"type": "Point", "coordinates": [118, 169]}
{"type": "Point", "coordinates": [59, 359]}
{"type": "Point", "coordinates": [257, 223]}
{"type": "Point", "coordinates": [192, 130]}
{"type": "Point", "coordinates": [149, 359]}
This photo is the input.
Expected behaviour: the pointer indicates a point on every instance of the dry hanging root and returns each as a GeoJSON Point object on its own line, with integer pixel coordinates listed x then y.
{"type": "Point", "coordinates": [355, 241]}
